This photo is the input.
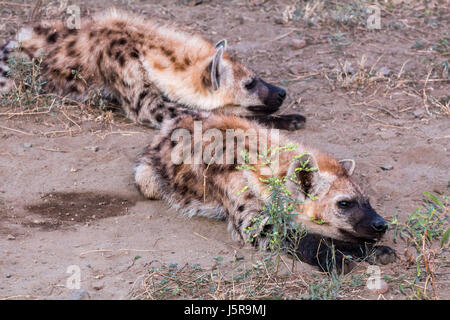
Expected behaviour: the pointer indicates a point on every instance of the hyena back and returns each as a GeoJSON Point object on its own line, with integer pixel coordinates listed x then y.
{"type": "Point", "coordinates": [144, 66]}
{"type": "Point", "coordinates": [218, 190]}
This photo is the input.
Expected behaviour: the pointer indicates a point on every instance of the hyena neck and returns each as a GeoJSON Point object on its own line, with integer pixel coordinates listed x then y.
{"type": "Point", "coordinates": [185, 83]}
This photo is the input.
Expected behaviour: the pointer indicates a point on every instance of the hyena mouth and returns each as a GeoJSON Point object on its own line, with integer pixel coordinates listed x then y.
{"type": "Point", "coordinates": [350, 236]}
{"type": "Point", "coordinates": [263, 109]}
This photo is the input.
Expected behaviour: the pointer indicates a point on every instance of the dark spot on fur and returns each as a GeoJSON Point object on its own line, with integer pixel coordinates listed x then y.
{"type": "Point", "coordinates": [73, 53]}
{"type": "Point", "coordinates": [73, 89]}
{"type": "Point", "coordinates": [72, 31]}
{"type": "Point", "coordinates": [53, 37]}
{"type": "Point", "coordinates": [241, 208]}
{"type": "Point", "coordinates": [157, 148]}
{"type": "Point", "coordinates": [113, 76]}
{"type": "Point", "coordinates": [187, 61]}
{"type": "Point", "coordinates": [26, 52]}
{"type": "Point", "coordinates": [122, 60]}
{"type": "Point", "coordinates": [166, 51]}
{"type": "Point", "coordinates": [125, 84]}
{"type": "Point", "coordinates": [122, 41]}
{"type": "Point", "coordinates": [187, 202]}
{"type": "Point", "coordinates": [159, 117]}
{"type": "Point", "coordinates": [40, 30]}
{"type": "Point", "coordinates": [249, 196]}
{"type": "Point", "coordinates": [71, 44]}
{"type": "Point", "coordinates": [2, 83]}
{"type": "Point", "coordinates": [92, 34]}
{"type": "Point", "coordinates": [141, 97]}
{"type": "Point", "coordinates": [179, 67]}
{"type": "Point", "coordinates": [127, 101]}
{"type": "Point", "coordinates": [134, 54]}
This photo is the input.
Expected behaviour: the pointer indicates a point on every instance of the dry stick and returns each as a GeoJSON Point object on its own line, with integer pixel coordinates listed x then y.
{"type": "Point", "coordinates": [52, 150]}
{"type": "Point", "coordinates": [376, 62]}
{"type": "Point", "coordinates": [427, 264]}
{"type": "Point", "coordinates": [13, 114]}
{"type": "Point", "coordinates": [401, 69]}
{"type": "Point", "coordinates": [199, 235]}
{"type": "Point", "coordinates": [384, 123]}
{"type": "Point", "coordinates": [425, 97]}
{"type": "Point", "coordinates": [282, 36]}
{"type": "Point", "coordinates": [19, 131]}
{"type": "Point", "coordinates": [106, 250]}
{"type": "Point", "coordinates": [70, 119]}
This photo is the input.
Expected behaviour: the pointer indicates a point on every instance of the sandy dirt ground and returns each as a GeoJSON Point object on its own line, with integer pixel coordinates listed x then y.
{"type": "Point", "coordinates": [66, 189]}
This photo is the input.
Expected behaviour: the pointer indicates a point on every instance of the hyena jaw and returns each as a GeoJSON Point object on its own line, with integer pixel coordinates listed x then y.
{"type": "Point", "coordinates": [138, 62]}
{"type": "Point", "coordinates": [220, 191]}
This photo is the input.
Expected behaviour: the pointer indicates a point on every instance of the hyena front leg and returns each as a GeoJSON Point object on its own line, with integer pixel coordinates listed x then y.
{"type": "Point", "coordinates": [329, 254]}
{"type": "Point", "coordinates": [290, 122]}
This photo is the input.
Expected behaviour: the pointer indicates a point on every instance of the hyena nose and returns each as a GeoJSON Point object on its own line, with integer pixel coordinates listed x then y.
{"type": "Point", "coordinates": [379, 225]}
{"type": "Point", "coordinates": [282, 94]}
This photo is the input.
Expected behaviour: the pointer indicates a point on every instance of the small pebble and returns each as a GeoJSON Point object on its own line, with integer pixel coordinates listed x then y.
{"type": "Point", "coordinates": [27, 145]}
{"type": "Point", "coordinates": [387, 167]}
{"type": "Point", "coordinates": [298, 43]}
{"type": "Point", "coordinates": [418, 113]}
{"type": "Point", "coordinates": [282, 20]}
{"type": "Point", "coordinates": [11, 237]}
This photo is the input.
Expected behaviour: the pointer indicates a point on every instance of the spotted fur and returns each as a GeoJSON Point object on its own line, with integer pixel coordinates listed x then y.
{"type": "Point", "coordinates": [154, 71]}
{"type": "Point", "coordinates": [216, 190]}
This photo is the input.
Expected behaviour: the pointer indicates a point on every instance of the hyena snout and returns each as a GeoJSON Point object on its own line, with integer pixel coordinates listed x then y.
{"type": "Point", "coordinates": [372, 224]}
{"type": "Point", "coordinates": [364, 222]}
{"type": "Point", "coordinates": [271, 96]}
{"type": "Point", "coordinates": [379, 225]}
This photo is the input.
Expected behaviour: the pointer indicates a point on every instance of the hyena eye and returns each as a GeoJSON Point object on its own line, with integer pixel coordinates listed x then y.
{"type": "Point", "coordinates": [345, 204]}
{"type": "Point", "coordinates": [251, 84]}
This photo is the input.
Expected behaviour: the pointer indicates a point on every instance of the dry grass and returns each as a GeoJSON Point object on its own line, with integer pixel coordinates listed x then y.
{"type": "Point", "coordinates": [258, 281]}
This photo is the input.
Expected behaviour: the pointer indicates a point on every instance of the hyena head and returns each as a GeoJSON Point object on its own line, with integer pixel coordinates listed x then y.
{"type": "Point", "coordinates": [239, 88]}
{"type": "Point", "coordinates": [333, 204]}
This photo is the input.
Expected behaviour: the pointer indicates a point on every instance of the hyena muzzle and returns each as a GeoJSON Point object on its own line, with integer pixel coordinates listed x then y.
{"type": "Point", "coordinates": [155, 72]}
{"type": "Point", "coordinates": [348, 228]}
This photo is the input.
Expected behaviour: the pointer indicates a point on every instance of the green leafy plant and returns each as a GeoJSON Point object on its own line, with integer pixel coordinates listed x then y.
{"type": "Point", "coordinates": [423, 229]}
{"type": "Point", "coordinates": [276, 220]}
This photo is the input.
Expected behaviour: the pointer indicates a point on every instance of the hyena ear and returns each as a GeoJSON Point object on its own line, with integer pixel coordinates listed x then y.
{"type": "Point", "coordinates": [303, 177]}
{"type": "Point", "coordinates": [348, 165]}
{"type": "Point", "coordinates": [221, 43]}
{"type": "Point", "coordinates": [215, 67]}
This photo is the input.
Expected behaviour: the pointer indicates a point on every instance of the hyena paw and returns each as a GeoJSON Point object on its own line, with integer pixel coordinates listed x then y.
{"type": "Point", "coordinates": [382, 255]}
{"type": "Point", "coordinates": [290, 122]}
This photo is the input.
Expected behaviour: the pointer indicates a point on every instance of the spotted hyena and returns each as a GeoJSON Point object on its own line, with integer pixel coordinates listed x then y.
{"type": "Point", "coordinates": [155, 72]}
{"type": "Point", "coordinates": [341, 215]}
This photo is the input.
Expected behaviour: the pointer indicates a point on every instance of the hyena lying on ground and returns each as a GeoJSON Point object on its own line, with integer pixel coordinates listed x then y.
{"type": "Point", "coordinates": [220, 191]}
{"type": "Point", "coordinates": [144, 66]}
